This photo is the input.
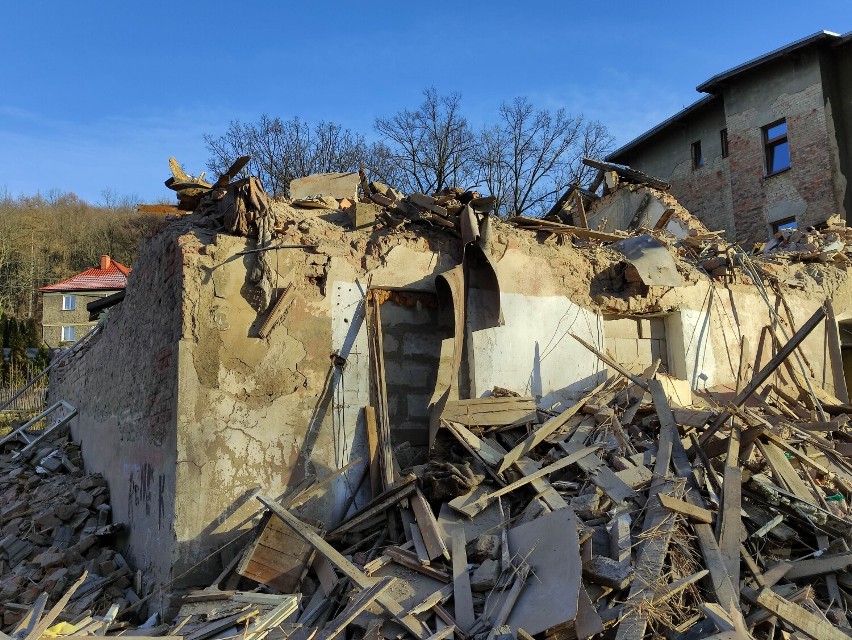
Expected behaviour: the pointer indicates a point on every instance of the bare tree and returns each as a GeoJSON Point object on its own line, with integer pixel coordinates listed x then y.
{"type": "Point", "coordinates": [282, 150]}
{"type": "Point", "coordinates": [530, 157]}
{"type": "Point", "coordinates": [429, 148]}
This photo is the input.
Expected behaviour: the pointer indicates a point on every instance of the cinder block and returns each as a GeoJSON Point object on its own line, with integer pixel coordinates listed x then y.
{"type": "Point", "coordinates": [644, 328]}
{"type": "Point", "coordinates": [621, 328]}
{"type": "Point", "coordinates": [418, 405]}
{"type": "Point", "coordinates": [426, 344]}
{"type": "Point", "coordinates": [643, 348]}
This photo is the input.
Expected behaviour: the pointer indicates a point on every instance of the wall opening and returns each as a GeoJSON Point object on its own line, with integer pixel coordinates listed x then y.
{"type": "Point", "coordinates": [412, 350]}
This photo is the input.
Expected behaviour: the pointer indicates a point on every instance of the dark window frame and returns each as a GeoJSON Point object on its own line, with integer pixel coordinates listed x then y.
{"type": "Point", "coordinates": [723, 139]}
{"type": "Point", "coordinates": [784, 223]}
{"type": "Point", "coordinates": [696, 155]}
{"type": "Point", "coordinates": [770, 144]}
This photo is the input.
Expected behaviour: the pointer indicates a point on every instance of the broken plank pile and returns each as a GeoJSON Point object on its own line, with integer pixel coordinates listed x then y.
{"type": "Point", "coordinates": [623, 515]}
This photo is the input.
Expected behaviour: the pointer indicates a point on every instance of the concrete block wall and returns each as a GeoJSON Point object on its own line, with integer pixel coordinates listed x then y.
{"type": "Point", "coordinates": [412, 350]}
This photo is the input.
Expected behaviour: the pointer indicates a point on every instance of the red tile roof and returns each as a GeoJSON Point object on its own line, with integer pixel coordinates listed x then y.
{"type": "Point", "coordinates": [114, 276]}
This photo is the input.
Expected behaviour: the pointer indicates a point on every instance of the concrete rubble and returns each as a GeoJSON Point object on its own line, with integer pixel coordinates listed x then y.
{"type": "Point", "coordinates": [645, 505]}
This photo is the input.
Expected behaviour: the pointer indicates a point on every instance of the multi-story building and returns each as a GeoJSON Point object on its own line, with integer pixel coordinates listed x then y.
{"type": "Point", "coordinates": [767, 147]}
{"type": "Point", "coordinates": [64, 316]}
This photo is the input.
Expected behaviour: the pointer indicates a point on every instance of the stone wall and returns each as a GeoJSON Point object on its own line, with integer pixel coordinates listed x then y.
{"type": "Point", "coordinates": [124, 386]}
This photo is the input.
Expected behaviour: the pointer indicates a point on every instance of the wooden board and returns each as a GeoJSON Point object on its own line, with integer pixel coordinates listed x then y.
{"type": "Point", "coordinates": [486, 412]}
{"type": "Point", "coordinates": [461, 584]}
{"type": "Point", "coordinates": [277, 558]}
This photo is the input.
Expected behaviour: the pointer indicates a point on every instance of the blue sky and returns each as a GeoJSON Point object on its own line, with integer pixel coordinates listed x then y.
{"type": "Point", "coordinates": [97, 95]}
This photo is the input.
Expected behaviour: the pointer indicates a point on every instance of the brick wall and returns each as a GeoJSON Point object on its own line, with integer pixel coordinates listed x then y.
{"type": "Point", "coordinates": [806, 189]}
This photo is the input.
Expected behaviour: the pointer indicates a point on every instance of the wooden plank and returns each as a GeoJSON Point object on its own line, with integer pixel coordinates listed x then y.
{"type": "Point", "coordinates": [509, 602]}
{"type": "Point", "coordinates": [470, 505]}
{"type": "Point", "coordinates": [653, 551]}
{"type": "Point", "coordinates": [428, 526]}
{"type": "Point", "coordinates": [804, 459]}
{"type": "Point", "coordinates": [47, 620]}
{"type": "Point", "coordinates": [696, 514]}
{"type": "Point", "coordinates": [542, 486]}
{"type": "Point", "coordinates": [411, 624]}
{"type": "Point", "coordinates": [785, 472]}
{"type": "Point", "coordinates": [402, 489]}
{"type": "Point", "coordinates": [462, 595]}
{"type": "Point", "coordinates": [811, 567]}
{"type": "Point", "coordinates": [601, 475]}
{"type": "Point", "coordinates": [726, 593]}
{"type": "Point", "coordinates": [373, 451]}
{"type": "Point", "coordinates": [472, 443]}
{"type": "Point", "coordinates": [832, 332]}
{"type": "Point", "coordinates": [580, 212]}
{"type": "Point", "coordinates": [632, 175]}
{"type": "Point", "coordinates": [549, 427]}
{"type": "Point", "coordinates": [411, 561]}
{"type": "Point", "coordinates": [796, 616]}
{"type": "Point", "coordinates": [761, 376]}
{"type": "Point", "coordinates": [388, 474]}
{"type": "Point", "coordinates": [277, 557]}
{"type": "Point", "coordinates": [562, 201]}
{"type": "Point", "coordinates": [354, 608]}
{"type": "Point", "coordinates": [730, 521]}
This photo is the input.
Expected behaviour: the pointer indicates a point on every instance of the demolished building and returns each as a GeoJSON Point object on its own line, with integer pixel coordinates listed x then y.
{"type": "Point", "coordinates": [261, 346]}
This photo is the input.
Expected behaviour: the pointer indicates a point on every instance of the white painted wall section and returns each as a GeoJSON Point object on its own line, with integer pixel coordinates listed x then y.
{"type": "Point", "coordinates": [533, 353]}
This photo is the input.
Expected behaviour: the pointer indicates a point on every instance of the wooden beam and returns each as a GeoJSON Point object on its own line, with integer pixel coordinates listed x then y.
{"type": "Point", "coordinates": [428, 526]}
{"type": "Point", "coordinates": [696, 514]}
{"type": "Point", "coordinates": [469, 505]}
{"type": "Point", "coordinates": [835, 351]}
{"type": "Point", "coordinates": [631, 175]}
{"type": "Point", "coordinates": [538, 436]}
{"type": "Point", "coordinates": [402, 489]}
{"type": "Point", "coordinates": [373, 451]}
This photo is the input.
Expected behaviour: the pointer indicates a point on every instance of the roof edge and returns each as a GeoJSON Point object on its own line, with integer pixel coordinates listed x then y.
{"type": "Point", "coordinates": [695, 106]}
{"type": "Point", "coordinates": [709, 86]}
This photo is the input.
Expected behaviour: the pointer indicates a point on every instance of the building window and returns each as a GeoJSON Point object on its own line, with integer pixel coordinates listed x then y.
{"type": "Point", "coordinates": [69, 334]}
{"type": "Point", "coordinates": [723, 138]}
{"type": "Point", "coordinates": [776, 148]}
{"type": "Point", "coordinates": [786, 223]}
{"type": "Point", "coordinates": [697, 158]}
{"type": "Point", "coordinates": [69, 303]}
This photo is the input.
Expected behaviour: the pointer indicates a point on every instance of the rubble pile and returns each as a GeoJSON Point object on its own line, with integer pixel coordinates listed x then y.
{"type": "Point", "coordinates": [57, 529]}
{"type": "Point", "coordinates": [832, 242]}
